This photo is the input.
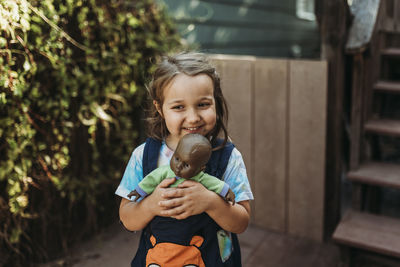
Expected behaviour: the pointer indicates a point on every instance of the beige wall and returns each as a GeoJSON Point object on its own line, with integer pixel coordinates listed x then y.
{"type": "Point", "coordinates": [278, 122]}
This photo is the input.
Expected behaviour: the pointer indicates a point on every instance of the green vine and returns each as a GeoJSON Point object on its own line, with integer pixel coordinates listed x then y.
{"type": "Point", "coordinates": [72, 85]}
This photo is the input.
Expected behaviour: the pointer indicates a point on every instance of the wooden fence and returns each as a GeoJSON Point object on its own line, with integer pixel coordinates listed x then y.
{"type": "Point", "coordinates": [277, 120]}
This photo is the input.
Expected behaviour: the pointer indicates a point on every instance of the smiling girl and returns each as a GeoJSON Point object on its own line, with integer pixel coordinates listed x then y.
{"type": "Point", "coordinates": [187, 98]}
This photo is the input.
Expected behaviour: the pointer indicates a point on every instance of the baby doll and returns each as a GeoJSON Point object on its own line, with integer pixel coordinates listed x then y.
{"type": "Point", "coordinates": [188, 162]}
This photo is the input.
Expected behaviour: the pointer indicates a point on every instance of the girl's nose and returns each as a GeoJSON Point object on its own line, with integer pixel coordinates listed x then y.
{"type": "Point", "coordinates": [179, 165]}
{"type": "Point", "coordinates": [192, 116]}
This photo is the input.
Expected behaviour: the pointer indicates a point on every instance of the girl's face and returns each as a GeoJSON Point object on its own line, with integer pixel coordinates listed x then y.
{"type": "Point", "coordinates": [188, 107]}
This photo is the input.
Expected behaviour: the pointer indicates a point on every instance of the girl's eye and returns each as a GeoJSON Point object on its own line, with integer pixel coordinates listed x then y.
{"type": "Point", "coordinates": [186, 165]}
{"type": "Point", "coordinates": [204, 105]}
{"type": "Point", "coordinates": [177, 107]}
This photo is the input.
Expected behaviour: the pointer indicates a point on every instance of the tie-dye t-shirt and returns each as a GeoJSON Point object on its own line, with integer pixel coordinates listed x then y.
{"type": "Point", "coordinates": [235, 175]}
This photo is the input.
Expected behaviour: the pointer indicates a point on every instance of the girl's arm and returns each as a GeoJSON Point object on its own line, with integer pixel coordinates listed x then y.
{"type": "Point", "coordinates": [192, 198]}
{"type": "Point", "coordinates": [136, 215]}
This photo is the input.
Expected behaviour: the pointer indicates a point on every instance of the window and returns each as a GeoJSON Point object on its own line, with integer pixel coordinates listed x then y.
{"type": "Point", "coordinates": [305, 9]}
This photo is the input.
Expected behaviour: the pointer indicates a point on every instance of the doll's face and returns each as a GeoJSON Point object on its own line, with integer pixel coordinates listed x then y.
{"type": "Point", "coordinates": [190, 157]}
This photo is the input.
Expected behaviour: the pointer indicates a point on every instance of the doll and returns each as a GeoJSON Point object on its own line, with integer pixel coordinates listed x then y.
{"type": "Point", "coordinates": [188, 162]}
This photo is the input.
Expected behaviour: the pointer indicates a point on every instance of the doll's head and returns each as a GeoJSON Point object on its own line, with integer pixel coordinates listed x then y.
{"type": "Point", "coordinates": [191, 156]}
{"type": "Point", "coordinates": [191, 64]}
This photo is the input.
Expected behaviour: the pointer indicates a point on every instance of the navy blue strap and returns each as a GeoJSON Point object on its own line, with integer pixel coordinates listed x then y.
{"type": "Point", "coordinates": [218, 162]}
{"type": "Point", "coordinates": [150, 155]}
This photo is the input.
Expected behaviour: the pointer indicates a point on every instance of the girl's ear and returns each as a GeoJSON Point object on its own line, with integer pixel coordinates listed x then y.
{"type": "Point", "coordinates": [158, 107]}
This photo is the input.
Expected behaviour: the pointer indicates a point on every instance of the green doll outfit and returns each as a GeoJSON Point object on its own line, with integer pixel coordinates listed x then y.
{"type": "Point", "coordinates": [150, 182]}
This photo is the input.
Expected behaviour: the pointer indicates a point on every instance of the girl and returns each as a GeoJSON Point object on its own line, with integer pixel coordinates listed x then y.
{"type": "Point", "coordinates": [187, 98]}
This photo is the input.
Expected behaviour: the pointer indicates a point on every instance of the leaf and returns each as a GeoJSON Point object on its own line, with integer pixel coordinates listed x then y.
{"type": "Point", "coordinates": [3, 42]}
{"type": "Point", "coordinates": [100, 113]}
{"type": "Point", "coordinates": [85, 121]}
{"type": "Point", "coordinates": [18, 170]}
{"type": "Point", "coordinates": [15, 235]}
{"type": "Point", "coordinates": [22, 201]}
{"type": "Point", "coordinates": [116, 97]}
{"type": "Point", "coordinates": [27, 65]}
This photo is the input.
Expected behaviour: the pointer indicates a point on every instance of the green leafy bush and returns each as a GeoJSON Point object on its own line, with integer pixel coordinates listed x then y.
{"type": "Point", "coordinates": [72, 81]}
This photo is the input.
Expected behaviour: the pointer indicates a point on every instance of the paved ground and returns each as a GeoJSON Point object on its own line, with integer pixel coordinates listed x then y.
{"type": "Point", "coordinates": [260, 248]}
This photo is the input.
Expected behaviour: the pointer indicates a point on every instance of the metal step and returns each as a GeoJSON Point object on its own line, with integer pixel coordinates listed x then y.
{"type": "Point", "coordinates": [387, 86]}
{"type": "Point", "coordinates": [384, 127]}
{"type": "Point", "coordinates": [377, 173]}
{"type": "Point", "coordinates": [391, 51]}
{"type": "Point", "coordinates": [370, 232]}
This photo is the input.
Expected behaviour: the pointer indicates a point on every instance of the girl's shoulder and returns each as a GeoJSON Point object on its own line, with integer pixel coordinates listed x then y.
{"type": "Point", "coordinates": [165, 154]}
{"type": "Point", "coordinates": [236, 153]}
{"type": "Point", "coordinates": [138, 151]}
{"type": "Point", "coordinates": [236, 157]}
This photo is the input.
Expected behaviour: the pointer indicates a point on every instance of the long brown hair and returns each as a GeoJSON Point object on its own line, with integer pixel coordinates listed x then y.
{"type": "Point", "coordinates": [192, 64]}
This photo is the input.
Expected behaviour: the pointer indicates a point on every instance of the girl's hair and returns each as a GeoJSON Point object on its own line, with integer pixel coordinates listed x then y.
{"type": "Point", "coordinates": [192, 64]}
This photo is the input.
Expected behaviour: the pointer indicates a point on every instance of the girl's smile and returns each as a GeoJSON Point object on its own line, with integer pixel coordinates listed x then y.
{"type": "Point", "coordinates": [188, 107]}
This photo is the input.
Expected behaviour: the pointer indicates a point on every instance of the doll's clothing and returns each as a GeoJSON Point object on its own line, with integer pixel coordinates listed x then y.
{"type": "Point", "coordinates": [150, 182]}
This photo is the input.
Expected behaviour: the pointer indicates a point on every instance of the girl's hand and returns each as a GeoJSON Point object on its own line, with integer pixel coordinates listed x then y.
{"type": "Point", "coordinates": [159, 195]}
{"type": "Point", "coordinates": [190, 198]}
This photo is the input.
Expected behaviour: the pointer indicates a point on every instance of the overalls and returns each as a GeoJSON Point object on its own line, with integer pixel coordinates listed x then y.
{"type": "Point", "coordinates": [199, 232]}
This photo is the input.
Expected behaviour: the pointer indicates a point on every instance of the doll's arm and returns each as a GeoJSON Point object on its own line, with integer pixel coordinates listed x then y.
{"type": "Point", "coordinates": [218, 186]}
{"type": "Point", "coordinates": [230, 196]}
{"type": "Point", "coordinates": [144, 188]}
{"type": "Point", "coordinates": [149, 183]}
{"type": "Point", "coordinates": [135, 194]}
